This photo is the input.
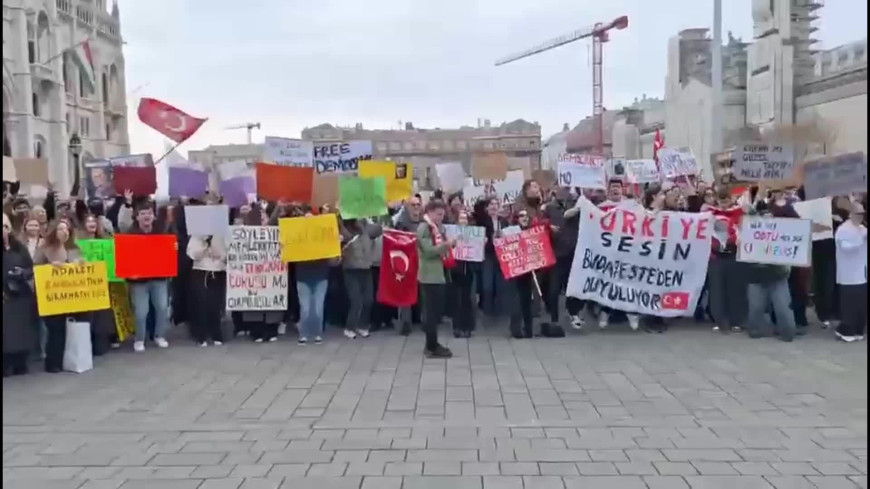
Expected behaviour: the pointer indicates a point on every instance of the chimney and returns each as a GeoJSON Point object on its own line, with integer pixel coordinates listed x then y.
{"type": "Point", "coordinates": [565, 127]}
{"type": "Point", "coordinates": [409, 126]}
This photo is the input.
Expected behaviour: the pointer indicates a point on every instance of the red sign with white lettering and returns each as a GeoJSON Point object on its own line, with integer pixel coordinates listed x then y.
{"type": "Point", "coordinates": [525, 252]}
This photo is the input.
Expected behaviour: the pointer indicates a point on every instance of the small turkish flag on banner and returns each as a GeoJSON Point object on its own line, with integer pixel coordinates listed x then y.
{"type": "Point", "coordinates": [167, 120]}
{"type": "Point", "coordinates": [676, 300]}
{"type": "Point", "coordinates": [399, 265]}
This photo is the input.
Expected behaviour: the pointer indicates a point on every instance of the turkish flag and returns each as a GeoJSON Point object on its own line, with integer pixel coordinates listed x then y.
{"type": "Point", "coordinates": [676, 300]}
{"type": "Point", "coordinates": [167, 120]}
{"type": "Point", "coordinates": [399, 266]}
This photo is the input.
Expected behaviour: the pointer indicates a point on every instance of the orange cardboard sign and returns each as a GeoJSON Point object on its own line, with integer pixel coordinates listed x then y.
{"type": "Point", "coordinates": [284, 183]}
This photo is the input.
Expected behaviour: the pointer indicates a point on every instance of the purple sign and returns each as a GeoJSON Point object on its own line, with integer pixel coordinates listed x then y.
{"type": "Point", "coordinates": [235, 191]}
{"type": "Point", "coordinates": [187, 182]}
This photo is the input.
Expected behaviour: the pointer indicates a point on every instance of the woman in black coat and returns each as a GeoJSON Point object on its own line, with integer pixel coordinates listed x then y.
{"type": "Point", "coordinates": [19, 304]}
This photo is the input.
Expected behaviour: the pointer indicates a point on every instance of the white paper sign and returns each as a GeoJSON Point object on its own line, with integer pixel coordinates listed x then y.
{"type": "Point", "coordinates": [677, 162]}
{"type": "Point", "coordinates": [775, 241]}
{"type": "Point", "coordinates": [470, 241]}
{"type": "Point", "coordinates": [583, 176]}
{"type": "Point", "coordinates": [256, 275]}
{"type": "Point", "coordinates": [288, 152]}
{"type": "Point", "coordinates": [451, 176]}
{"type": "Point", "coordinates": [755, 161]}
{"type": "Point", "coordinates": [642, 171]}
{"type": "Point", "coordinates": [233, 169]}
{"type": "Point", "coordinates": [9, 170]}
{"type": "Point", "coordinates": [342, 157]}
{"type": "Point", "coordinates": [207, 220]}
{"type": "Point", "coordinates": [636, 261]}
{"type": "Point", "coordinates": [511, 230]}
{"type": "Point", "coordinates": [819, 211]}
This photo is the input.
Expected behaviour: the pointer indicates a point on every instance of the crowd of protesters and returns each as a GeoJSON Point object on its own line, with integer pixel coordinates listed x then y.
{"type": "Point", "coordinates": [763, 300]}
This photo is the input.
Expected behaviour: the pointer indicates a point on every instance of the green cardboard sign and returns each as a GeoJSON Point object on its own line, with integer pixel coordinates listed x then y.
{"type": "Point", "coordinates": [100, 250]}
{"type": "Point", "coordinates": [362, 197]}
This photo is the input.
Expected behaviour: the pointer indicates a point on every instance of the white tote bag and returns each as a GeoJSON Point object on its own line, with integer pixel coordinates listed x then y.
{"type": "Point", "coordinates": [78, 356]}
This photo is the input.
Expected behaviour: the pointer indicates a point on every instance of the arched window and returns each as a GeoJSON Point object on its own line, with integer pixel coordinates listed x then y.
{"type": "Point", "coordinates": [31, 43]}
{"type": "Point", "coordinates": [38, 148]}
{"type": "Point", "coordinates": [35, 104]}
{"type": "Point", "coordinates": [108, 132]}
{"type": "Point", "coordinates": [66, 84]}
{"type": "Point", "coordinates": [105, 80]}
{"type": "Point", "coordinates": [43, 47]}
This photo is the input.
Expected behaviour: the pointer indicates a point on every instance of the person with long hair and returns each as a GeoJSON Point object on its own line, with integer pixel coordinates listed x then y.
{"type": "Point", "coordinates": [208, 287]}
{"type": "Point", "coordinates": [312, 282]}
{"type": "Point", "coordinates": [260, 325]}
{"type": "Point", "coordinates": [491, 277]}
{"type": "Point", "coordinates": [58, 249]}
{"type": "Point", "coordinates": [31, 233]}
{"type": "Point", "coordinates": [357, 256]}
{"type": "Point", "coordinates": [462, 310]}
{"type": "Point", "coordinates": [103, 321]}
{"type": "Point", "coordinates": [522, 321]}
{"type": "Point", "coordinates": [20, 317]}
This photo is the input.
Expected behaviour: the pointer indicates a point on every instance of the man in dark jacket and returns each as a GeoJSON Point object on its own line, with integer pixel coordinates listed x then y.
{"type": "Point", "coordinates": [564, 222]}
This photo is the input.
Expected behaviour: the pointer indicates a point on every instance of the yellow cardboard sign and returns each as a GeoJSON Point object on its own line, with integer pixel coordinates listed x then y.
{"type": "Point", "coordinates": [399, 177]}
{"type": "Point", "coordinates": [125, 320]}
{"type": "Point", "coordinates": [71, 288]}
{"type": "Point", "coordinates": [309, 238]}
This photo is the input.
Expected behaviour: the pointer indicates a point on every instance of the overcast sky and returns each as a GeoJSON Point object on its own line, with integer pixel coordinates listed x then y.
{"type": "Point", "coordinates": [292, 64]}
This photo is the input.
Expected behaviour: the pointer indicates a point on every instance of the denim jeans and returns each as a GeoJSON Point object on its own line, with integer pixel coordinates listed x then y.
{"type": "Point", "coordinates": [360, 295]}
{"type": "Point", "coordinates": [311, 297]}
{"type": "Point", "coordinates": [493, 287]}
{"type": "Point", "coordinates": [144, 294]}
{"type": "Point", "coordinates": [776, 295]}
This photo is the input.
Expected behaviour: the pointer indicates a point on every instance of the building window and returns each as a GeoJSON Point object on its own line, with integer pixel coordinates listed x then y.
{"type": "Point", "coordinates": [85, 126]}
{"type": "Point", "coordinates": [68, 127]}
{"type": "Point", "coordinates": [35, 104]}
{"type": "Point", "coordinates": [105, 89]}
{"type": "Point", "coordinates": [82, 89]}
{"type": "Point", "coordinates": [31, 43]}
{"type": "Point", "coordinates": [409, 145]}
{"type": "Point", "coordinates": [65, 67]}
{"type": "Point", "coordinates": [382, 146]}
{"type": "Point", "coordinates": [434, 146]}
{"type": "Point", "coordinates": [420, 145]}
{"type": "Point", "coordinates": [461, 145]}
{"type": "Point", "coordinates": [395, 146]}
{"type": "Point", "coordinates": [448, 145]}
{"type": "Point", "coordinates": [37, 149]}
{"type": "Point", "coordinates": [108, 132]}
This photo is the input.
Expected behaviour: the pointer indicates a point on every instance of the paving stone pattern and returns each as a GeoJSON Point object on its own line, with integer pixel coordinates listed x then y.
{"type": "Point", "coordinates": [610, 409]}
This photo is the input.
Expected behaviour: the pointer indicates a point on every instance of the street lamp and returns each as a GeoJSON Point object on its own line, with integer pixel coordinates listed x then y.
{"type": "Point", "coordinates": [75, 149]}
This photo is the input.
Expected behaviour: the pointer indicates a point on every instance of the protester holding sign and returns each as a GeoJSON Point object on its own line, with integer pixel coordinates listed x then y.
{"type": "Point", "coordinates": [59, 248]}
{"type": "Point", "coordinates": [208, 284]}
{"type": "Point", "coordinates": [726, 283]}
{"type": "Point", "coordinates": [492, 281]}
{"type": "Point", "coordinates": [19, 304]}
{"type": "Point", "coordinates": [357, 257]}
{"type": "Point", "coordinates": [94, 247]}
{"type": "Point", "coordinates": [312, 281]}
{"type": "Point", "coordinates": [461, 282]}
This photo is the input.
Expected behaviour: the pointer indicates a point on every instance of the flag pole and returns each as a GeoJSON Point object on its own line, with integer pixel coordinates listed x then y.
{"type": "Point", "coordinates": [167, 153]}
{"type": "Point", "coordinates": [65, 50]}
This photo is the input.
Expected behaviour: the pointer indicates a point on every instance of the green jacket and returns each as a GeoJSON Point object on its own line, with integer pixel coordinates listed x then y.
{"type": "Point", "coordinates": [431, 266]}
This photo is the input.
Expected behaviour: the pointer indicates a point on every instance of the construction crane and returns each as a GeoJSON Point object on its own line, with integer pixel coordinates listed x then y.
{"type": "Point", "coordinates": [249, 126]}
{"type": "Point", "coordinates": [599, 34]}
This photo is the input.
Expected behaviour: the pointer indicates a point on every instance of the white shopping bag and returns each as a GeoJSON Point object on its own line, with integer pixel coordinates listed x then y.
{"type": "Point", "coordinates": [78, 356]}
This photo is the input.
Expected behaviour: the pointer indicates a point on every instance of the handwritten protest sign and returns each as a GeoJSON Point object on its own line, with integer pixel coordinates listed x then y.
{"type": "Point", "coordinates": [839, 175]}
{"type": "Point", "coordinates": [677, 162]}
{"type": "Point", "coordinates": [756, 161]}
{"type": "Point", "coordinates": [100, 250]}
{"type": "Point", "coordinates": [525, 252]}
{"type": "Point", "coordinates": [341, 157]}
{"type": "Point", "coordinates": [207, 220]}
{"type": "Point", "coordinates": [506, 190]}
{"type": "Point", "coordinates": [309, 238]}
{"type": "Point", "coordinates": [125, 320]}
{"type": "Point", "coordinates": [451, 176]}
{"type": "Point", "coordinates": [642, 171]}
{"type": "Point", "coordinates": [71, 288]}
{"type": "Point", "coordinates": [139, 256]}
{"type": "Point", "coordinates": [257, 277]}
{"type": "Point", "coordinates": [489, 166]}
{"type": "Point", "coordinates": [470, 241]}
{"type": "Point", "coordinates": [284, 183]}
{"type": "Point", "coordinates": [818, 211]}
{"type": "Point", "coordinates": [362, 197]}
{"type": "Point", "coordinates": [288, 152]}
{"type": "Point", "coordinates": [582, 171]}
{"type": "Point", "coordinates": [634, 261]}
{"type": "Point", "coordinates": [775, 241]}
{"type": "Point", "coordinates": [399, 177]}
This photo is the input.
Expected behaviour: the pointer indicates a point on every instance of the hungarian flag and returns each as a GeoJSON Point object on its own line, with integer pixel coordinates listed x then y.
{"type": "Point", "coordinates": [167, 120]}
{"type": "Point", "coordinates": [83, 58]}
{"type": "Point", "coordinates": [399, 266]}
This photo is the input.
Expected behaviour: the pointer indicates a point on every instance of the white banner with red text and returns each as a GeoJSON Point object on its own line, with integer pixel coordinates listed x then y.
{"type": "Point", "coordinates": [637, 261]}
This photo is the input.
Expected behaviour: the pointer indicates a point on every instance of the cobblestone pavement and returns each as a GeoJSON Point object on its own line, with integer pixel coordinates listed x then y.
{"type": "Point", "coordinates": [610, 409]}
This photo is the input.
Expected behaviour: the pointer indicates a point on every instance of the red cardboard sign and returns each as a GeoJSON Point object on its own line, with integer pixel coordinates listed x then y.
{"type": "Point", "coordinates": [525, 252]}
{"type": "Point", "coordinates": [141, 256]}
{"type": "Point", "coordinates": [139, 180]}
{"type": "Point", "coordinates": [287, 183]}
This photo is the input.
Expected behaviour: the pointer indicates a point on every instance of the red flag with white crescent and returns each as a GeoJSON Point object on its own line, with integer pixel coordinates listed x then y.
{"type": "Point", "coordinates": [167, 120]}
{"type": "Point", "coordinates": [399, 266]}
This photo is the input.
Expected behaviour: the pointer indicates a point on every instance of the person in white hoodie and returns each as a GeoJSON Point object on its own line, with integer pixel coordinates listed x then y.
{"type": "Point", "coordinates": [208, 287]}
{"type": "Point", "coordinates": [851, 241]}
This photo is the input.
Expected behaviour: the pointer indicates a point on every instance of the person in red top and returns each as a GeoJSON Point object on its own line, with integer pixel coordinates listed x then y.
{"type": "Point", "coordinates": [725, 281]}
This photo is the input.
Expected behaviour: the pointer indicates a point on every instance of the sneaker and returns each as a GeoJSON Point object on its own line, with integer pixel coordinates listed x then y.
{"type": "Point", "coordinates": [218, 343]}
{"type": "Point", "coordinates": [847, 339]}
{"type": "Point", "coordinates": [282, 329]}
{"type": "Point", "coordinates": [439, 352]}
{"type": "Point", "coordinates": [138, 346]}
{"type": "Point", "coordinates": [161, 342]}
{"type": "Point", "coordinates": [633, 321]}
{"type": "Point", "coordinates": [115, 345]}
{"type": "Point", "coordinates": [363, 332]}
{"type": "Point", "coordinates": [716, 329]}
{"type": "Point", "coordinates": [826, 324]}
{"type": "Point", "coordinates": [578, 322]}
{"type": "Point", "coordinates": [258, 340]}
{"type": "Point", "coordinates": [273, 339]}
{"type": "Point", "coordinates": [318, 340]}
{"type": "Point", "coordinates": [603, 320]}
{"type": "Point", "coordinates": [302, 342]}
{"type": "Point", "coordinates": [203, 344]}
{"type": "Point", "coordinates": [350, 334]}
